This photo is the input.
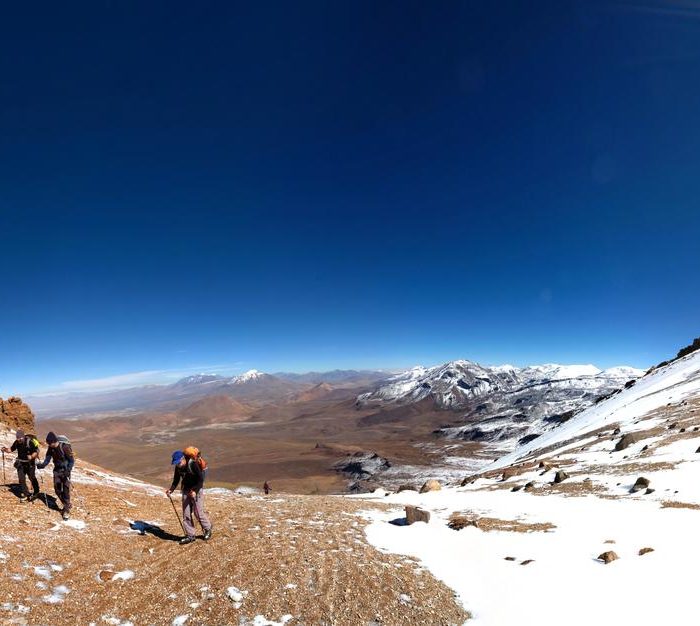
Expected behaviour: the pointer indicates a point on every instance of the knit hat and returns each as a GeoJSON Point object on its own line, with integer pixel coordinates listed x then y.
{"type": "Point", "coordinates": [178, 455]}
{"type": "Point", "coordinates": [19, 434]}
{"type": "Point", "coordinates": [51, 437]}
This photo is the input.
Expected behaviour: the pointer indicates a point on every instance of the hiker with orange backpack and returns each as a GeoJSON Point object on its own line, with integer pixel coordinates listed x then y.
{"type": "Point", "coordinates": [190, 469]}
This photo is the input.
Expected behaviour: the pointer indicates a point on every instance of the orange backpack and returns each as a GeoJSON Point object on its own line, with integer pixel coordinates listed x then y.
{"type": "Point", "coordinates": [194, 454]}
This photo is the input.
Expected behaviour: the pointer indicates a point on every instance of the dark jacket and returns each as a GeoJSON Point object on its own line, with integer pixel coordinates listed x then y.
{"type": "Point", "coordinates": [25, 448]}
{"type": "Point", "coordinates": [191, 475]}
{"type": "Point", "coordinates": [62, 457]}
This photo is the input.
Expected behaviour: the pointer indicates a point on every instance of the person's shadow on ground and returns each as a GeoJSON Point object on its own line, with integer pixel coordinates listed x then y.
{"type": "Point", "coordinates": [152, 529]}
{"type": "Point", "coordinates": [50, 501]}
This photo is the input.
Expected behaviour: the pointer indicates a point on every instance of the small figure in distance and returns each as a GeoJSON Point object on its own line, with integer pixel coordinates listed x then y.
{"type": "Point", "coordinates": [266, 488]}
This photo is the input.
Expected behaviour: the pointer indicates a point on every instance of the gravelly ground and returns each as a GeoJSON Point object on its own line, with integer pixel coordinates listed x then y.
{"type": "Point", "coordinates": [303, 559]}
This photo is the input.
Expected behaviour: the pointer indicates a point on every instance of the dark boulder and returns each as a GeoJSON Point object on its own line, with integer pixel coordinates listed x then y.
{"type": "Point", "coordinates": [608, 557]}
{"type": "Point", "coordinates": [406, 488]}
{"type": "Point", "coordinates": [641, 483]}
{"type": "Point", "coordinates": [560, 476]}
{"type": "Point", "coordinates": [627, 440]}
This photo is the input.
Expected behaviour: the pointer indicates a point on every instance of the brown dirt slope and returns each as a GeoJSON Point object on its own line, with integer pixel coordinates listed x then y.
{"type": "Point", "coordinates": [305, 557]}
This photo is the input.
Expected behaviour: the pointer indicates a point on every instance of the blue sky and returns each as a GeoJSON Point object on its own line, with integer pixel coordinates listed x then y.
{"type": "Point", "coordinates": [316, 185]}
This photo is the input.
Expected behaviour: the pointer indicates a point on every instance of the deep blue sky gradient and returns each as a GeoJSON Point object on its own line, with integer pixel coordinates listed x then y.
{"type": "Point", "coordinates": [369, 184]}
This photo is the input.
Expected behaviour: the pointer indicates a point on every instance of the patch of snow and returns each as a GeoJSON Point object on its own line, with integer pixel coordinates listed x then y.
{"type": "Point", "coordinates": [236, 596]}
{"type": "Point", "coordinates": [43, 571]}
{"type": "Point", "coordinates": [59, 595]}
{"type": "Point", "coordinates": [180, 620]}
{"type": "Point", "coordinates": [261, 620]}
{"type": "Point", "coordinates": [126, 574]}
{"type": "Point", "coordinates": [14, 608]}
{"type": "Point", "coordinates": [115, 621]}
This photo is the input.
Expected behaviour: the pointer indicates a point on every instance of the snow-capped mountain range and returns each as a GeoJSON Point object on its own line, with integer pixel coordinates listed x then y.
{"type": "Point", "coordinates": [204, 379]}
{"type": "Point", "coordinates": [502, 403]}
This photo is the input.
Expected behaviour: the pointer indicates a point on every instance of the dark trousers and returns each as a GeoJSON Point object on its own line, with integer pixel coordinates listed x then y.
{"type": "Point", "coordinates": [61, 485]}
{"type": "Point", "coordinates": [24, 471]}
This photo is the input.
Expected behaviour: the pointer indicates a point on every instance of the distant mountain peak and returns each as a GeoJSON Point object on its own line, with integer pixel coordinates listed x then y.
{"type": "Point", "coordinates": [248, 376]}
{"type": "Point", "coordinates": [198, 379]}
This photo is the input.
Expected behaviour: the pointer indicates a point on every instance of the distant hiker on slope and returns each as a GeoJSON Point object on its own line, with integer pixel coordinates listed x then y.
{"type": "Point", "coordinates": [61, 453]}
{"type": "Point", "coordinates": [190, 469]}
{"type": "Point", "coordinates": [27, 448]}
{"type": "Point", "coordinates": [266, 488]}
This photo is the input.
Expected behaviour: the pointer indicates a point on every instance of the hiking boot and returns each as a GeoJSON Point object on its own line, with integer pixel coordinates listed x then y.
{"type": "Point", "coordinates": [185, 540]}
{"type": "Point", "coordinates": [65, 515]}
{"type": "Point", "coordinates": [207, 535]}
{"type": "Point", "coordinates": [33, 497]}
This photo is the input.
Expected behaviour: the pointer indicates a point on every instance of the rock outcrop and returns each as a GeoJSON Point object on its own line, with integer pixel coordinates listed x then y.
{"type": "Point", "coordinates": [362, 465]}
{"type": "Point", "coordinates": [430, 485]}
{"type": "Point", "coordinates": [415, 514]}
{"type": "Point", "coordinates": [627, 440]}
{"type": "Point", "coordinates": [16, 414]}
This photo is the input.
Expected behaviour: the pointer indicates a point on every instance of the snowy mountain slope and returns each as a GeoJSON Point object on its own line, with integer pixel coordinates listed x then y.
{"type": "Point", "coordinates": [670, 384]}
{"type": "Point", "coordinates": [455, 384]}
{"type": "Point", "coordinates": [504, 405]}
{"type": "Point", "coordinates": [523, 548]}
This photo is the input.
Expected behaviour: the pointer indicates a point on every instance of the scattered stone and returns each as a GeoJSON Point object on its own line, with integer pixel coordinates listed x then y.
{"type": "Point", "coordinates": [529, 486]}
{"type": "Point", "coordinates": [517, 488]}
{"type": "Point", "coordinates": [649, 491]}
{"type": "Point", "coordinates": [362, 486]}
{"type": "Point", "coordinates": [458, 522]}
{"type": "Point", "coordinates": [644, 551]}
{"type": "Point", "coordinates": [672, 426]}
{"type": "Point", "coordinates": [416, 514]}
{"type": "Point", "coordinates": [641, 483]}
{"type": "Point", "coordinates": [106, 575]}
{"type": "Point", "coordinates": [616, 431]}
{"type": "Point", "coordinates": [406, 488]}
{"type": "Point", "coordinates": [626, 441]}
{"type": "Point", "coordinates": [527, 561]}
{"type": "Point", "coordinates": [697, 451]}
{"type": "Point", "coordinates": [682, 430]}
{"type": "Point", "coordinates": [509, 473]}
{"type": "Point", "coordinates": [430, 485]}
{"type": "Point", "coordinates": [608, 557]}
{"type": "Point", "coordinates": [696, 429]}
{"type": "Point", "coordinates": [544, 465]}
{"type": "Point", "coordinates": [609, 541]}
{"type": "Point", "coordinates": [509, 558]}
{"type": "Point", "coordinates": [645, 448]}
{"type": "Point", "coordinates": [560, 476]}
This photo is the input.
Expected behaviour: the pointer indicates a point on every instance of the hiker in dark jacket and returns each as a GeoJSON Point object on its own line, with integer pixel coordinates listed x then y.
{"type": "Point", "coordinates": [27, 448]}
{"type": "Point", "coordinates": [191, 475]}
{"type": "Point", "coordinates": [61, 453]}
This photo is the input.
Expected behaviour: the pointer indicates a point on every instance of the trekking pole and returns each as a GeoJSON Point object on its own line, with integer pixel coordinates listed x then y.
{"type": "Point", "coordinates": [46, 500]}
{"type": "Point", "coordinates": [4, 478]}
{"type": "Point", "coordinates": [177, 515]}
